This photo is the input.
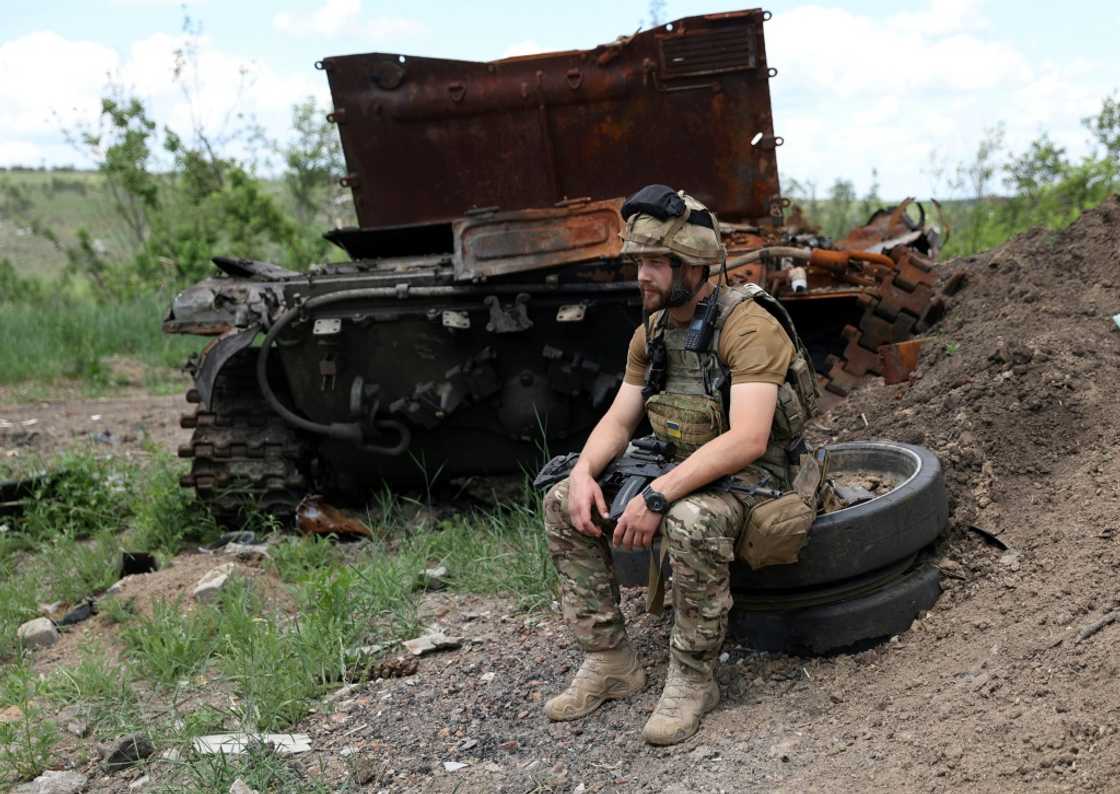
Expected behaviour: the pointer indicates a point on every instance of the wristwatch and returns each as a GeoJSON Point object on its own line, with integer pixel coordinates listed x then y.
{"type": "Point", "coordinates": [655, 500]}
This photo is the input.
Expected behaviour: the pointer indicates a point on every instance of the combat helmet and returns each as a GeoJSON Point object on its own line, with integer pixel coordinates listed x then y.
{"type": "Point", "coordinates": [660, 220]}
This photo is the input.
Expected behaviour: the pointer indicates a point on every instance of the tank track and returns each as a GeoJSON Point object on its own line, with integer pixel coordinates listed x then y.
{"type": "Point", "coordinates": [904, 305]}
{"type": "Point", "coordinates": [244, 458]}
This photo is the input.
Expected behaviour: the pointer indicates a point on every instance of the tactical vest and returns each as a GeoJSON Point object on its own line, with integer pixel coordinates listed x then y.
{"type": "Point", "coordinates": [693, 406]}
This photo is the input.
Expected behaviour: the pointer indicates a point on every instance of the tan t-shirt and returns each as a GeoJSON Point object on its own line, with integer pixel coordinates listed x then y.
{"type": "Point", "coordinates": [752, 344]}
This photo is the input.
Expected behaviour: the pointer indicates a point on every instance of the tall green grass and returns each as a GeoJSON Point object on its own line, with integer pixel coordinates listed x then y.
{"type": "Point", "coordinates": [71, 338]}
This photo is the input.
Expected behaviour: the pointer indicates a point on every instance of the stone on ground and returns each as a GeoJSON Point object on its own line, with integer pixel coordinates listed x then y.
{"type": "Point", "coordinates": [212, 583]}
{"type": "Point", "coordinates": [53, 783]}
{"type": "Point", "coordinates": [38, 633]}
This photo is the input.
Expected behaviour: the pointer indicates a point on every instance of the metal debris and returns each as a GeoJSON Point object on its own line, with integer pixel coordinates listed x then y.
{"type": "Point", "coordinates": [319, 518]}
{"type": "Point", "coordinates": [238, 743]}
{"type": "Point", "coordinates": [83, 611]}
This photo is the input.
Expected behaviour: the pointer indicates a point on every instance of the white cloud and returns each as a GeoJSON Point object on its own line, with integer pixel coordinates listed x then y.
{"type": "Point", "coordinates": [856, 92]}
{"type": "Point", "coordinates": [942, 17]}
{"type": "Point", "coordinates": [157, 3]}
{"type": "Point", "coordinates": [43, 75]}
{"type": "Point", "coordinates": [49, 83]}
{"type": "Point", "coordinates": [336, 17]}
{"type": "Point", "coordinates": [525, 47]}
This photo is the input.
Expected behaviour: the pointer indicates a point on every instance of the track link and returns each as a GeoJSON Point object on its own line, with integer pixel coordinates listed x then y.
{"type": "Point", "coordinates": [243, 456]}
{"type": "Point", "coordinates": [900, 308]}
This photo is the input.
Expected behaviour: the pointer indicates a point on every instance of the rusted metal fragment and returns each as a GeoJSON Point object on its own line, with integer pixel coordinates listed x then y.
{"type": "Point", "coordinates": [511, 242]}
{"type": "Point", "coordinates": [897, 361]}
{"type": "Point", "coordinates": [316, 517]}
{"type": "Point", "coordinates": [427, 139]}
{"type": "Point", "coordinates": [892, 224]}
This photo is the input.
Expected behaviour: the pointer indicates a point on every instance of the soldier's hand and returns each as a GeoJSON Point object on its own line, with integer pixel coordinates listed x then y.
{"type": "Point", "coordinates": [636, 526]}
{"type": "Point", "coordinates": [584, 496]}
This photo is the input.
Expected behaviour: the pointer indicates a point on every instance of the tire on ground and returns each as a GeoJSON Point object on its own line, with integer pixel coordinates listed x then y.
{"type": "Point", "coordinates": [841, 625]}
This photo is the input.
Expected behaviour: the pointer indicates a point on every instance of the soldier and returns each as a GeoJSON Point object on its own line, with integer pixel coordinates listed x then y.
{"type": "Point", "coordinates": [733, 406]}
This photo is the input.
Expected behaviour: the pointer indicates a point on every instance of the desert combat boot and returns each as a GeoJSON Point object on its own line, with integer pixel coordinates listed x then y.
{"type": "Point", "coordinates": [688, 695]}
{"type": "Point", "coordinates": [604, 675]}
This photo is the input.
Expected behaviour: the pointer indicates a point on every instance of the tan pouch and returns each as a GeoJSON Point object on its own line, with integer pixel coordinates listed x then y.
{"type": "Point", "coordinates": [688, 421]}
{"type": "Point", "coordinates": [776, 532]}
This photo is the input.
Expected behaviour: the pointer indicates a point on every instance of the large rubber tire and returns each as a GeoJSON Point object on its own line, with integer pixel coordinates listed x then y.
{"type": "Point", "coordinates": [871, 535]}
{"type": "Point", "coordinates": [853, 541]}
{"type": "Point", "coordinates": [839, 626]}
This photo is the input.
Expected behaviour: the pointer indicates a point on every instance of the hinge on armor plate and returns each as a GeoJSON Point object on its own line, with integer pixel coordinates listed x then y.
{"type": "Point", "coordinates": [508, 319]}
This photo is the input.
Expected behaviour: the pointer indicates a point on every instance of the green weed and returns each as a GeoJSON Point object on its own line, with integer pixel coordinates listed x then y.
{"type": "Point", "coordinates": [295, 558]}
{"type": "Point", "coordinates": [71, 569]}
{"type": "Point", "coordinates": [103, 689]}
{"type": "Point", "coordinates": [26, 743]}
{"type": "Point", "coordinates": [19, 589]}
{"type": "Point", "coordinates": [117, 610]}
{"type": "Point", "coordinates": [166, 516]}
{"type": "Point", "coordinates": [172, 644]}
{"type": "Point", "coordinates": [83, 495]}
{"type": "Point", "coordinates": [261, 768]}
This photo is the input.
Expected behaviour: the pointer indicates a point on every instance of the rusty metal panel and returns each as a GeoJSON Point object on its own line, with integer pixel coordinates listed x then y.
{"type": "Point", "coordinates": [427, 140]}
{"type": "Point", "coordinates": [511, 242]}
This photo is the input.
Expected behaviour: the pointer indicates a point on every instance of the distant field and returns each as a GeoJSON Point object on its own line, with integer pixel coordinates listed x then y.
{"type": "Point", "coordinates": [66, 201]}
{"type": "Point", "coordinates": [63, 201]}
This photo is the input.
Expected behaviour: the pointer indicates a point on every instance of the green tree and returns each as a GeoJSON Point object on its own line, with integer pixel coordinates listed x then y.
{"type": "Point", "coordinates": [1041, 165]}
{"type": "Point", "coordinates": [841, 201]}
{"type": "Point", "coordinates": [1105, 126]}
{"type": "Point", "coordinates": [313, 161]}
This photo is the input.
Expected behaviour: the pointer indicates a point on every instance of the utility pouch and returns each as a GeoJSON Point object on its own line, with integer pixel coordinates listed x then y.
{"type": "Point", "coordinates": [805, 382]}
{"type": "Point", "coordinates": [776, 531]}
{"type": "Point", "coordinates": [789, 415]}
{"type": "Point", "coordinates": [687, 421]}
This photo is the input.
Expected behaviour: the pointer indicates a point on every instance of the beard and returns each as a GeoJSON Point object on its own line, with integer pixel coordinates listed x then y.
{"type": "Point", "coordinates": [678, 294]}
{"type": "Point", "coordinates": [653, 299]}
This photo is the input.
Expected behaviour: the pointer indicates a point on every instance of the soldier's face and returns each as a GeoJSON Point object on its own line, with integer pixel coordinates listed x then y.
{"type": "Point", "coordinates": [655, 280]}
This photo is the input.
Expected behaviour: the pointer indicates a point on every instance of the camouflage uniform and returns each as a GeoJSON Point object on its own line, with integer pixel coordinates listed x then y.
{"type": "Point", "coordinates": [700, 531]}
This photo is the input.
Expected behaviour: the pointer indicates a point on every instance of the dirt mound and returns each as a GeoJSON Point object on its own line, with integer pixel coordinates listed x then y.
{"type": "Point", "coordinates": [1020, 377]}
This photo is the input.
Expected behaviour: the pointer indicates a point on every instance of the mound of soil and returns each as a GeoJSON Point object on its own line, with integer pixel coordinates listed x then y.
{"type": "Point", "coordinates": [1019, 380]}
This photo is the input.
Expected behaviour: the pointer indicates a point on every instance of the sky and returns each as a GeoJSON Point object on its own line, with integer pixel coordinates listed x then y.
{"type": "Point", "coordinates": [906, 88]}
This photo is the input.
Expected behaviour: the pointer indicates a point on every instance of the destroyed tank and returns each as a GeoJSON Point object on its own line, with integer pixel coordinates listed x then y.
{"type": "Point", "coordinates": [482, 321]}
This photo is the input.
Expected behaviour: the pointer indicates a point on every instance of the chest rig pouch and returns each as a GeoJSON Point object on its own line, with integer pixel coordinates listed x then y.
{"type": "Point", "coordinates": [688, 394]}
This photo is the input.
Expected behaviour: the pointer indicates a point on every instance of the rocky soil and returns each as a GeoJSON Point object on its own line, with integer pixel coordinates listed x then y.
{"type": "Point", "coordinates": [1000, 687]}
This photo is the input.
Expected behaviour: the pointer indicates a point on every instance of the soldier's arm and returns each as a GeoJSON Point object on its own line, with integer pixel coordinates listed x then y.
{"type": "Point", "coordinates": [752, 412]}
{"type": "Point", "coordinates": [607, 441]}
{"type": "Point", "coordinates": [609, 438]}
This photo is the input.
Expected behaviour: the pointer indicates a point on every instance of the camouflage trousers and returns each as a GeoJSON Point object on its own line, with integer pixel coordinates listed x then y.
{"type": "Point", "coordinates": [700, 531]}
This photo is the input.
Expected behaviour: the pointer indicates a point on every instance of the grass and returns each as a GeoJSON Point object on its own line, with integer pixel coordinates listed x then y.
{"type": "Point", "coordinates": [25, 744]}
{"type": "Point", "coordinates": [75, 339]}
{"type": "Point", "coordinates": [248, 660]}
{"type": "Point", "coordinates": [64, 201]}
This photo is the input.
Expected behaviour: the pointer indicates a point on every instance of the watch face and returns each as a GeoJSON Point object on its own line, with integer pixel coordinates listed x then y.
{"type": "Point", "coordinates": [655, 501]}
